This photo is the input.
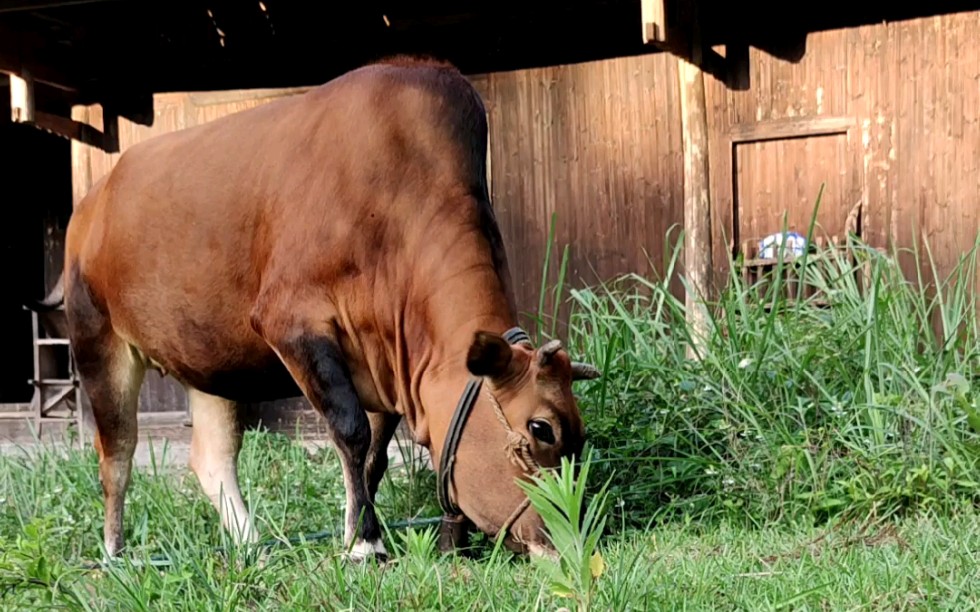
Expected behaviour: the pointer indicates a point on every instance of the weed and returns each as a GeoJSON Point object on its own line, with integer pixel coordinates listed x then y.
{"type": "Point", "coordinates": [559, 498]}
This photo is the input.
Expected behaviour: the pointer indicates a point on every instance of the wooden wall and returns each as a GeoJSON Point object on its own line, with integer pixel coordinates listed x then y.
{"type": "Point", "coordinates": [597, 143]}
{"type": "Point", "coordinates": [885, 114]}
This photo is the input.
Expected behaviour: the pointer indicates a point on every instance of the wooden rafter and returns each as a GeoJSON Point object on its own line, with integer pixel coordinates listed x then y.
{"type": "Point", "coordinates": [14, 6]}
{"type": "Point", "coordinates": [21, 99]}
{"type": "Point", "coordinates": [674, 27]}
{"type": "Point", "coordinates": [22, 110]}
{"type": "Point", "coordinates": [107, 140]}
{"type": "Point", "coordinates": [652, 14]}
{"type": "Point", "coordinates": [18, 53]}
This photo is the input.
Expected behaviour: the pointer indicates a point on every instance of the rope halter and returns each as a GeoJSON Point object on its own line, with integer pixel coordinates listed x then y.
{"type": "Point", "coordinates": [517, 447]}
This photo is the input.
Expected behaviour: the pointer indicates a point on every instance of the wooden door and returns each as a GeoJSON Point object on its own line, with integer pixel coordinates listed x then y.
{"type": "Point", "coordinates": [778, 169]}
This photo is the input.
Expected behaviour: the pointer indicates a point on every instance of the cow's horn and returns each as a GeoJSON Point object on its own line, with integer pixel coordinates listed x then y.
{"type": "Point", "coordinates": [546, 352]}
{"type": "Point", "coordinates": [584, 371]}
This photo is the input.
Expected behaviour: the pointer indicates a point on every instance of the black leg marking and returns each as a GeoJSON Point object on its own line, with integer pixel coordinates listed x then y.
{"type": "Point", "coordinates": [383, 427]}
{"type": "Point", "coordinates": [330, 389]}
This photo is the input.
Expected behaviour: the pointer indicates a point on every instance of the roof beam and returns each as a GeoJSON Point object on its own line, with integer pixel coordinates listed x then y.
{"type": "Point", "coordinates": [16, 6]}
{"type": "Point", "coordinates": [22, 110]}
{"type": "Point", "coordinates": [19, 53]}
{"type": "Point", "coordinates": [106, 140]}
{"type": "Point", "coordinates": [675, 27]}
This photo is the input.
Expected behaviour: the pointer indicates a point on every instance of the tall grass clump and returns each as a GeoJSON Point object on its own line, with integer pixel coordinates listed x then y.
{"type": "Point", "coordinates": [794, 410]}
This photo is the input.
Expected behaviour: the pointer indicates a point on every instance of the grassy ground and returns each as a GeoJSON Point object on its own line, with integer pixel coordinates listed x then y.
{"type": "Point", "coordinates": [51, 516]}
{"type": "Point", "coordinates": [813, 457]}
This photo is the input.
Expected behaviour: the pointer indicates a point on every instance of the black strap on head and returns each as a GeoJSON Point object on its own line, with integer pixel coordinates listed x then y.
{"type": "Point", "coordinates": [516, 335]}
{"type": "Point", "coordinates": [464, 407]}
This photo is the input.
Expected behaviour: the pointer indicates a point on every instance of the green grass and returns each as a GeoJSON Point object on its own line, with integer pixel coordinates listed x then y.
{"type": "Point", "coordinates": [50, 527]}
{"type": "Point", "coordinates": [810, 458]}
{"type": "Point", "coordinates": [798, 413]}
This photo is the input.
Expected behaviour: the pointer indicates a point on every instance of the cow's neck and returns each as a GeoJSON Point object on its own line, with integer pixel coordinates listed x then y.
{"type": "Point", "coordinates": [463, 302]}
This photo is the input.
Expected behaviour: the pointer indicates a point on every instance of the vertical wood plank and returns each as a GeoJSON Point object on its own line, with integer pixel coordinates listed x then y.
{"type": "Point", "coordinates": [81, 160]}
{"type": "Point", "coordinates": [598, 143]}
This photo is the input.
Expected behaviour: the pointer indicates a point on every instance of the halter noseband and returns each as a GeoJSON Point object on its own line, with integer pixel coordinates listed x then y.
{"type": "Point", "coordinates": [517, 448]}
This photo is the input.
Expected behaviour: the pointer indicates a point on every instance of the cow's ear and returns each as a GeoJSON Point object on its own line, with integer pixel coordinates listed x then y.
{"type": "Point", "coordinates": [489, 355]}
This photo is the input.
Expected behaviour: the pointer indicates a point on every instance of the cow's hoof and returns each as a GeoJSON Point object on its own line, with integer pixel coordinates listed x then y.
{"type": "Point", "coordinates": [362, 550]}
{"type": "Point", "coordinates": [542, 552]}
{"type": "Point", "coordinates": [112, 555]}
{"type": "Point", "coordinates": [263, 559]}
{"type": "Point", "coordinates": [454, 533]}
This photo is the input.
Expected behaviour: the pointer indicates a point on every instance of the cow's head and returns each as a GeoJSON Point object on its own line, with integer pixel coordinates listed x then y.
{"type": "Point", "coordinates": [525, 414]}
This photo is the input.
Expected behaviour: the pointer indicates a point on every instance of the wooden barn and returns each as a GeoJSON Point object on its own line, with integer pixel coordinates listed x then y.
{"type": "Point", "coordinates": [622, 118]}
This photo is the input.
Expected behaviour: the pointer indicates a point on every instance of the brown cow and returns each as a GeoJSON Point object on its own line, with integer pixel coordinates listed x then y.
{"type": "Point", "coordinates": [341, 245]}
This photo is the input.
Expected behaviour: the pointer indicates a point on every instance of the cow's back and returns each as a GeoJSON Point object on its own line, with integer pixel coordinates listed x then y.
{"type": "Point", "coordinates": [178, 240]}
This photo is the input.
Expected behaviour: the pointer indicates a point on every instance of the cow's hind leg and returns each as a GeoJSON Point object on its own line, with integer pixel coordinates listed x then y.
{"type": "Point", "coordinates": [216, 441]}
{"type": "Point", "coordinates": [312, 354]}
{"type": "Point", "coordinates": [112, 373]}
{"type": "Point", "coordinates": [114, 394]}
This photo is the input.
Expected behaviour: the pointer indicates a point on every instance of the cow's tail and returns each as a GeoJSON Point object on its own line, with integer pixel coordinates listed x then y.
{"type": "Point", "coordinates": [54, 300]}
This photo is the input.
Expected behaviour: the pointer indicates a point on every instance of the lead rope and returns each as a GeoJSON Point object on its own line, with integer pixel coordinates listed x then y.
{"type": "Point", "coordinates": [518, 449]}
{"type": "Point", "coordinates": [519, 452]}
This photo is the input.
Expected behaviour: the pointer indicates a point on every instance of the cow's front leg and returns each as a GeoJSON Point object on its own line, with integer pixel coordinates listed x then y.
{"type": "Point", "coordinates": [383, 427]}
{"type": "Point", "coordinates": [314, 358]}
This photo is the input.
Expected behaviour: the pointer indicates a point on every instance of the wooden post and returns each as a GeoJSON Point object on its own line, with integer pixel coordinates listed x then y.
{"type": "Point", "coordinates": [697, 204]}
{"type": "Point", "coordinates": [81, 160]}
{"type": "Point", "coordinates": [81, 183]}
{"type": "Point", "coordinates": [21, 98]}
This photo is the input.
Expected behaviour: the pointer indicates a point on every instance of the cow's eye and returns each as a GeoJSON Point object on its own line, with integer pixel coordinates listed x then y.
{"type": "Point", "coordinates": [542, 431]}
